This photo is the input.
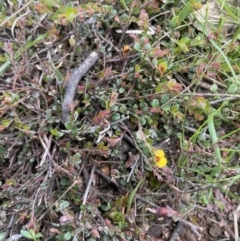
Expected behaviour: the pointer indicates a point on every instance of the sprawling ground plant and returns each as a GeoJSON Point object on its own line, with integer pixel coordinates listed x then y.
{"type": "Point", "coordinates": [153, 130]}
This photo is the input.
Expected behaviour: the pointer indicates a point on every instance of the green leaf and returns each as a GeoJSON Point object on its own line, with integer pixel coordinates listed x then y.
{"type": "Point", "coordinates": [56, 133]}
{"type": "Point", "coordinates": [106, 207]}
{"type": "Point", "coordinates": [166, 107]}
{"type": "Point", "coordinates": [132, 195]}
{"type": "Point", "coordinates": [67, 16]}
{"type": "Point", "coordinates": [145, 109]}
{"type": "Point", "coordinates": [50, 3]}
{"type": "Point", "coordinates": [147, 46]}
{"type": "Point", "coordinates": [121, 90]}
{"type": "Point", "coordinates": [149, 141]}
{"type": "Point", "coordinates": [115, 116]}
{"type": "Point", "coordinates": [5, 123]}
{"type": "Point", "coordinates": [123, 108]}
{"type": "Point", "coordinates": [38, 235]}
{"type": "Point", "coordinates": [233, 88]}
{"type": "Point", "coordinates": [183, 44]}
{"type": "Point", "coordinates": [58, 74]}
{"type": "Point", "coordinates": [155, 62]}
{"type": "Point", "coordinates": [124, 5]}
{"type": "Point", "coordinates": [214, 138]}
{"type": "Point", "coordinates": [176, 21]}
{"type": "Point", "coordinates": [214, 88]}
{"type": "Point", "coordinates": [164, 99]}
{"type": "Point", "coordinates": [26, 234]}
{"type": "Point", "coordinates": [155, 103]}
{"type": "Point", "coordinates": [142, 120]}
{"type": "Point", "coordinates": [63, 204]}
{"type": "Point", "coordinates": [195, 42]}
{"type": "Point", "coordinates": [158, 88]}
{"type": "Point", "coordinates": [203, 104]}
{"type": "Point", "coordinates": [184, 13]}
{"type": "Point", "coordinates": [137, 68]}
{"type": "Point", "coordinates": [102, 146]}
{"type": "Point", "coordinates": [137, 46]}
{"type": "Point", "coordinates": [68, 125]}
{"type": "Point", "coordinates": [67, 236]}
{"type": "Point", "coordinates": [26, 127]}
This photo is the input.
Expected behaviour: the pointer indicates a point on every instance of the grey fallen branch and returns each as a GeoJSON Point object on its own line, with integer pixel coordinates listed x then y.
{"type": "Point", "coordinates": [72, 84]}
{"type": "Point", "coordinates": [176, 232]}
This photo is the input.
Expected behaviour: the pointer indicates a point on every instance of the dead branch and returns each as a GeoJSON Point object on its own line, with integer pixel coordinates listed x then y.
{"type": "Point", "coordinates": [176, 232]}
{"type": "Point", "coordinates": [194, 228]}
{"type": "Point", "coordinates": [73, 83]}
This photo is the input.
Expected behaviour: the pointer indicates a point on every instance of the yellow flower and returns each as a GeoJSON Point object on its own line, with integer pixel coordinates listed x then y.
{"type": "Point", "coordinates": [159, 153]}
{"type": "Point", "coordinates": [162, 162]}
{"type": "Point", "coordinates": [160, 159]}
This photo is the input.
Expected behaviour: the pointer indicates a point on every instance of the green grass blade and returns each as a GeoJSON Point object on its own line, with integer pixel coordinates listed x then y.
{"type": "Point", "coordinates": [132, 195]}
{"type": "Point", "coordinates": [124, 5]}
{"type": "Point", "coordinates": [214, 138]}
{"type": "Point", "coordinates": [213, 134]}
{"type": "Point", "coordinates": [227, 61]}
{"type": "Point", "coordinates": [184, 13]}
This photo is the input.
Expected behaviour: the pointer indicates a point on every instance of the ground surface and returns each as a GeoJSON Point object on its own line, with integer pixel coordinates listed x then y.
{"type": "Point", "coordinates": [149, 149]}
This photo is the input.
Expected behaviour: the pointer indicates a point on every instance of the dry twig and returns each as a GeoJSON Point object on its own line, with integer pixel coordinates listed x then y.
{"type": "Point", "coordinates": [85, 196]}
{"type": "Point", "coordinates": [73, 83]}
{"type": "Point", "coordinates": [235, 218]}
{"type": "Point", "coordinates": [194, 228]}
{"type": "Point", "coordinates": [176, 232]}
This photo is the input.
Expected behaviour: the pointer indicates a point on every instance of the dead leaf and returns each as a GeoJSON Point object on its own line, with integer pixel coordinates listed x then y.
{"type": "Point", "coordinates": [95, 233]}
{"type": "Point", "coordinates": [106, 73]}
{"type": "Point", "coordinates": [100, 116]}
{"type": "Point", "coordinates": [159, 53]}
{"type": "Point", "coordinates": [54, 231]}
{"type": "Point", "coordinates": [113, 99]}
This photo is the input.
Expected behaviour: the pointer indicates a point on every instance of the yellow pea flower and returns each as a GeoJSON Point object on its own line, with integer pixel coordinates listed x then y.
{"type": "Point", "coordinates": [160, 159]}
{"type": "Point", "coordinates": [159, 153]}
{"type": "Point", "coordinates": [162, 162]}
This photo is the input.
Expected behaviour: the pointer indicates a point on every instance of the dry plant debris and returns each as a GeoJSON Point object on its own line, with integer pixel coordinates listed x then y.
{"type": "Point", "coordinates": [119, 120]}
